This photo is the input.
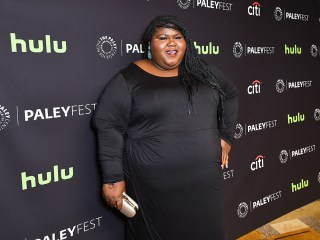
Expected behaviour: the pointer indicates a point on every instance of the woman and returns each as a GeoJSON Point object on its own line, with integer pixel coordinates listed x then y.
{"type": "Point", "coordinates": [165, 126]}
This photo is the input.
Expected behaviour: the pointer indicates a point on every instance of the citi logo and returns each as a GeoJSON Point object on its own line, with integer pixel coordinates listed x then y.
{"type": "Point", "coordinates": [207, 49]}
{"type": "Point", "coordinates": [299, 186]}
{"type": "Point", "coordinates": [258, 163]}
{"type": "Point", "coordinates": [295, 119]}
{"type": "Point", "coordinates": [254, 88]}
{"type": "Point", "coordinates": [295, 50]}
{"type": "Point", "coordinates": [254, 10]}
{"type": "Point", "coordinates": [44, 179]}
{"type": "Point", "coordinates": [42, 46]}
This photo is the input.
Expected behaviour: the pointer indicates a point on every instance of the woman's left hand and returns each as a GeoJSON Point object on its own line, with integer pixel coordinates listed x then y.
{"type": "Point", "coordinates": [226, 148]}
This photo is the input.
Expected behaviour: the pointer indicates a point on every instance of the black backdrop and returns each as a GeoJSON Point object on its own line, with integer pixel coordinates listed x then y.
{"type": "Point", "coordinates": [55, 58]}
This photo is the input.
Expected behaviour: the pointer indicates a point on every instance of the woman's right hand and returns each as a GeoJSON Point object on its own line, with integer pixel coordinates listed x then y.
{"type": "Point", "coordinates": [112, 193]}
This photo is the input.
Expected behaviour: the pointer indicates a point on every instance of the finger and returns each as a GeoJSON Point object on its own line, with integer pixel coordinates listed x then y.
{"type": "Point", "coordinates": [119, 204]}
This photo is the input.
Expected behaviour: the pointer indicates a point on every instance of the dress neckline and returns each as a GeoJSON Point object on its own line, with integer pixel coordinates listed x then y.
{"type": "Point", "coordinates": [150, 74]}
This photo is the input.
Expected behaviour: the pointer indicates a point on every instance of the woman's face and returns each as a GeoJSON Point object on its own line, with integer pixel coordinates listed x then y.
{"type": "Point", "coordinates": [168, 47]}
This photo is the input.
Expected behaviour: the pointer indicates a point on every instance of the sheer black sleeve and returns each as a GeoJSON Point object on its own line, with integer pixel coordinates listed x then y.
{"type": "Point", "coordinates": [230, 107]}
{"type": "Point", "coordinates": [110, 122]}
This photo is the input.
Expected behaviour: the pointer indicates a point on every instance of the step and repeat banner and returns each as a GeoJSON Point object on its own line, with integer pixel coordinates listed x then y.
{"type": "Point", "coordinates": [55, 59]}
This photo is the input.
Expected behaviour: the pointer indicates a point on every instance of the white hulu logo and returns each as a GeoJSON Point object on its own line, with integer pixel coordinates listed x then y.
{"type": "Point", "coordinates": [37, 47]}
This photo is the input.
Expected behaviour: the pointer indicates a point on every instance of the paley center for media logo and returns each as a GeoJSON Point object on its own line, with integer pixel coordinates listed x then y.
{"type": "Point", "coordinates": [280, 14]}
{"type": "Point", "coordinates": [315, 50]}
{"type": "Point", "coordinates": [70, 232]}
{"type": "Point", "coordinates": [4, 117]}
{"type": "Point", "coordinates": [216, 5]}
{"type": "Point", "coordinates": [316, 114]}
{"type": "Point", "coordinates": [289, 154]}
{"type": "Point", "coordinates": [254, 9]}
{"type": "Point", "coordinates": [254, 88]}
{"type": "Point", "coordinates": [240, 50]}
{"type": "Point", "coordinates": [46, 45]}
{"type": "Point", "coordinates": [250, 128]}
{"type": "Point", "coordinates": [244, 208]}
{"type": "Point", "coordinates": [284, 85]}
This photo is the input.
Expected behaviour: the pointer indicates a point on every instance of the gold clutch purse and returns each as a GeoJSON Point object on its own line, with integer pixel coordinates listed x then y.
{"type": "Point", "coordinates": [129, 206]}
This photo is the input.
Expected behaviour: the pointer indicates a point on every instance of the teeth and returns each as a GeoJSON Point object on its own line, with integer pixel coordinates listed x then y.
{"type": "Point", "coordinates": [172, 52]}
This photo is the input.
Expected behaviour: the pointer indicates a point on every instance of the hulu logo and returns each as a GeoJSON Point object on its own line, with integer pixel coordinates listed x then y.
{"type": "Point", "coordinates": [296, 119]}
{"type": "Point", "coordinates": [44, 179]}
{"type": "Point", "coordinates": [292, 50]}
{"type": "Point", "coordinates": [207, 49]}
{"type": "Point", "coordinates": [42, 46]}
{"type": "Point", "coordinates": [296, 187]}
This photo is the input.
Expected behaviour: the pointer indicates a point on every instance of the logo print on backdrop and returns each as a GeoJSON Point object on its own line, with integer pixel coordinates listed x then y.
{"type": "Point", "coordinates": [38, 47]}
{"type": "Point", "coordinates": [254, 10]}
{"type": "Point", "coordinates": [314, 50]}
{"type": "Point", "coordinates": [296, 119]}
{"type": "Point", "coordinates": [299, 186]}
{"type": "Point", "coordinates": [4, 117]}
{"type": "Point", "coordinates": [317, 114]}
{"type": "Point", "coordinates": [49, 176]}
{"type": "Point", "coordinates": [294, 50]}
{"type": "Point", "coordinates": [106, 47]}
{"type": "Point", "coordinates": [280, 86]}
{"type": "Point", "coordinates": [184, 5]}
{"type": "Point", "coordinates": [278, 14]}
{"type": "Point", "coordinates": [228, 174]}
{"type": "Point", "coordinates": [282, 15]}
{"type": "Point", "coordinates": [207, 49]}
{"type": "Point", "coordinates": [258, 163]}
{"type": "Point", "coordinates": [283, 156]}
{"type": "Point", "coordinates": [243, 207]}
{"type": "Point", "coordinates": [254, 88]}
{"type": "Point", "coordinates": [239, 131]}
{"type": "Point", "coordinates": [319, 177]}
{"type": "Point", "coordinates": [243, 210]}
{"type": "Point", "coordinates": [237, 49]}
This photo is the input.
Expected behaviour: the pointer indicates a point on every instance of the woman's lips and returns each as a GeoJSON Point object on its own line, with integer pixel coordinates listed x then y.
{"type": "Point", "coordinates": [172, 53]}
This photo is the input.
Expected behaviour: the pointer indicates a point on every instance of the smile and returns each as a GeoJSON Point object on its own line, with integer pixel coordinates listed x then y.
{"type": "Point", "coordinates": [172, 53]}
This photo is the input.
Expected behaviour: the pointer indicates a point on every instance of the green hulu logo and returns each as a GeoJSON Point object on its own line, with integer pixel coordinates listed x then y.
{"type": "Point", "coordinates": [207, 49]}
{"type": "Point", "coordinates": [296, 119]}
{"type": "Point", "coordinates": [296, 187]}
{"type": "Point", "coordinates": [44, 179]}
{"type": "Point", "coordinates": [292, 50]}
{"type": "Point", "coordinates": [43, 45]}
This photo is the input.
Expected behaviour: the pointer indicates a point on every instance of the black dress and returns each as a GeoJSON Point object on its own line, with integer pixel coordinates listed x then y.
{"type": "Point", "coordinates": [169, 156]}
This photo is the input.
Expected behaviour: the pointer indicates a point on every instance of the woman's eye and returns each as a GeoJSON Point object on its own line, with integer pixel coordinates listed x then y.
{"type": "Point", "coordinates": [162, 38]}
{"type": "Point", "coordinates": [179, 37]}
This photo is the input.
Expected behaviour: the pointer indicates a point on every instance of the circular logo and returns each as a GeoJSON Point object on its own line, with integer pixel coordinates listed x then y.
{"type": "Point", "coordinates": [283, 156]}
{"type": "Point", "coordinates": [106, 47]}
{"type": "Point", "coordinates": [319, 177]}
{"type": "Point", "coordinates": [243, 210]}
{"type": "Point", "coordinates": [4, 117]}
{"type": "Point", "coordinates": [278, 14]}
{"type": "Point", "coordinates": [314, 50]}
{"type": "Point", "coordinates": [317, 114]}
{"type": "Point", "coordinates": [184, 5]}
{"type": "Point", "coordinates": [237, 49]}
{"type": "Point", "coordinates": [239, 131]}
{"type": "Point", "coordinates": [280, 86]}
